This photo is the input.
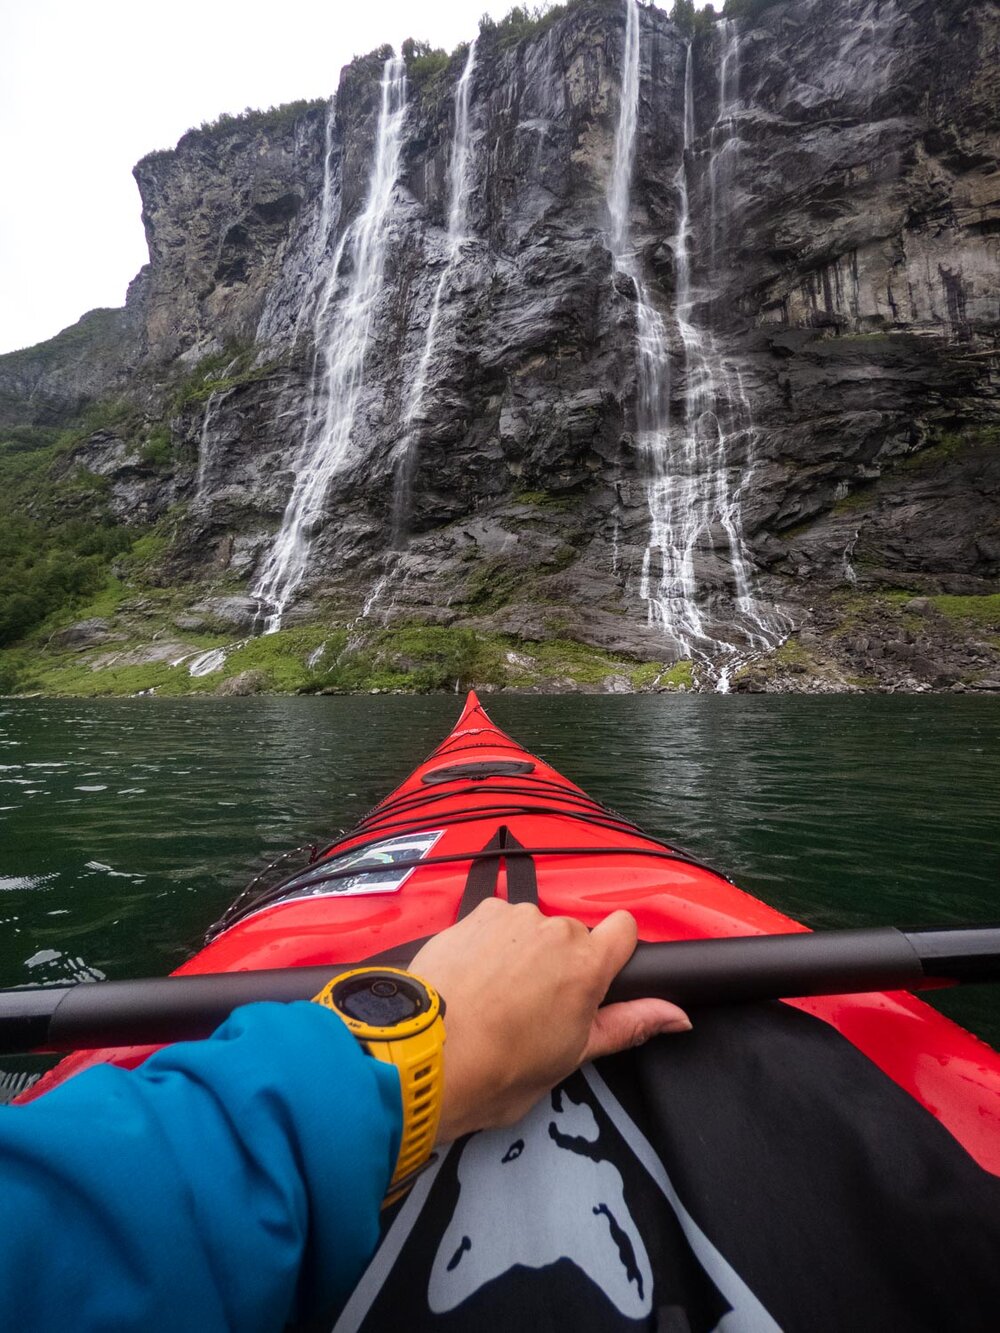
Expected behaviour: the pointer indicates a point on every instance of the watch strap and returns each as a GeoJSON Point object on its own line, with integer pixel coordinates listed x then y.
{"type": "Point", "coordinates": [415, 1047]}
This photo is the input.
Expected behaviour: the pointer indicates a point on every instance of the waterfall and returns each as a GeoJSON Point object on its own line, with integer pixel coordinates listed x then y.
{"type": "Point", "coordinates": [696, 573]}
{"type": "Point", "coordinates": [723, 138]}
{"type": "Point", "coordinates": [341, 329]}
{"type": "Point", "coordinates": [458, 201]}
{"type": "Point", "coordinates": [204, 441]}
{"type": "Point", "coordinates": [215, 400]}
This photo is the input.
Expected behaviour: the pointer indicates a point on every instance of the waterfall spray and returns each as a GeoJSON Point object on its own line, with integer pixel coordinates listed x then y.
{"type": "Point", "coordinates": [458, 201]}
{"type": "Point", "coordinates": [215, 400]}
{"type": "Point", "coordinates": [341, 329]}
{"type": "Point", "coordinates": [695, 576]}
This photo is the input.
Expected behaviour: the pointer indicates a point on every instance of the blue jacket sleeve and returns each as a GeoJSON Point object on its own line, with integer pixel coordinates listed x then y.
{"type": "Point", "coordinates": [226, 1184]}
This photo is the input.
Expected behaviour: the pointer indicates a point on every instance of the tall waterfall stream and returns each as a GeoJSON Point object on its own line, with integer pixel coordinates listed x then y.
{"type": "Point", "coordinates": [696, 572]}
{"type": "Point", "coordinates": [695, 432]}
{"type": "Point", "coordinates": [458, 210]}
{"type": "Point", "coordinates": [341, 329]}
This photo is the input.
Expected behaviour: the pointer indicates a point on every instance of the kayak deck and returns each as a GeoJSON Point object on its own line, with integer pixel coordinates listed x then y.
{"type": "Point", "coordinates": [481, 816]}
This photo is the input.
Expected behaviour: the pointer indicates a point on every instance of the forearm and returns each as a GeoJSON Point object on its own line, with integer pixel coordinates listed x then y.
{"type": "Point", "coordinates": [223, 1184]}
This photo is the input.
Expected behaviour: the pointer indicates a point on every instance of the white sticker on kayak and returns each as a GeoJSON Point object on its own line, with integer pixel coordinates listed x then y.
{"type": "Point", "coordinates": [378, 869]}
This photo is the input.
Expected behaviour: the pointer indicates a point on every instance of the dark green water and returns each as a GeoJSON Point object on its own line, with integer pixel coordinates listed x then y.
{"type": "Point", "coordinates": [126, 826]}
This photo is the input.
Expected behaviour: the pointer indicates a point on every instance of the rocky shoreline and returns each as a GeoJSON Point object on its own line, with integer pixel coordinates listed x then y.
{"type": "Point", "coordinates": [888, 642]}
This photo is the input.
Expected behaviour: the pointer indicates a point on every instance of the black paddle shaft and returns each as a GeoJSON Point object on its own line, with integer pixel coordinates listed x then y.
{"type": "Point", "coordinates": [691, 973]}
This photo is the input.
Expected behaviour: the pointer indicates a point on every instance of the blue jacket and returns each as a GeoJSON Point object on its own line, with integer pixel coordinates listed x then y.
{"type": "Point", "coordinates": [225, 1184]}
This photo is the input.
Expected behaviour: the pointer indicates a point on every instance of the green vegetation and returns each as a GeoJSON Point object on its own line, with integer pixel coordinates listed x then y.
{"type": "Point", "coordinates": [19, 439]}
{"type": "Point", "coordinates": [747, 9]}
{"type": "Point", "coordinates": [157, 450]}
{"type": "Point", "coordinates": [984, 611]}
{"type": "Point", "coordinates": [317, 659]}
{"type": "Point", "coordinates": [271, 120]}
{"type": "Point", "coordinates": [541, 499]}
{"type": "Point", "coordinates": [423, 62]}
{"type": "Point", "coordinates": [856, 499]}
{"type": "Point", "coordinates": [416, 658]}
{"type": "Point", "coordinates": [43, 570]}
{"type": "Point", "coordinates": [790, 653]}
{"type": "Point", "coordinates": [692, 22]}
{"type": "Point", "coordinates": [57, 538]}
{"type": "Point", "coordinates": [60, 543]}
{"type": "Point", "coordinates": [95, 329]}
{"type": "Point", "coordinates": [218, 373]}
{"type": "Point", "coordinates": [680, 676]}
{"type": "Point", "coordinates": [492, 585]}
{"type": "Point", "coordinates": [979, 612]}
{"type": "Point", "coordinates": [520, 22]}
{"type": "Point", "coordinates": [951, 443]}
{"type": "Point", "coordinates": [10, 676]}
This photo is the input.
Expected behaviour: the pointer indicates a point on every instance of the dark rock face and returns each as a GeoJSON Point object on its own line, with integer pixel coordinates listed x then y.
{"type": "Point", "coordinates": [48, 385]}
{"type": "Point", "coordinates": [845, 259]}
{"type": "Point", "coordinates": [219, 212]}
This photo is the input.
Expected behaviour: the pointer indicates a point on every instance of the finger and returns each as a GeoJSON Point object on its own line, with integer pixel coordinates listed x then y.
{"type": "Point", "coordinates": [613, 941]}
{"type": "Point", "coordinates": [620, 1026]}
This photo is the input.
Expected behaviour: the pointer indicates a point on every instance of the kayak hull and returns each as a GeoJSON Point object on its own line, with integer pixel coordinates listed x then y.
{"type": "Point", "coordinates": [482, 816]}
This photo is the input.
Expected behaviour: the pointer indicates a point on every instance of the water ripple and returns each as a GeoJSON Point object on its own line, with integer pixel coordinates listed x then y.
{"type": "Point", "coordinates": [847, 811]}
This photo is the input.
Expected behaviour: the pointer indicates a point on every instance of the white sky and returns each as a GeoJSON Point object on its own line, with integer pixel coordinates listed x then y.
{"type": "Point", "coordinates": [87, 87]}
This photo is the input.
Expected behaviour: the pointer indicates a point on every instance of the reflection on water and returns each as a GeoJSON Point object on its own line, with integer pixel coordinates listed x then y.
{"type": "Point", "coordinates": [126, 826]}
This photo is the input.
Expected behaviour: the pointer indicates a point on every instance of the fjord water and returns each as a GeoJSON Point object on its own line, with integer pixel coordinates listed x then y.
{"type": "Point", "coordinates": [126, 826]}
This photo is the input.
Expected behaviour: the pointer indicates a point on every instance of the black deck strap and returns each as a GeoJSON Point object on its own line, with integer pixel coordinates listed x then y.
{"type": "Point", "coordinates": [280, 892]}
{"type": "Point", "coordinates": [481, 883]}
{"type": "Point", "coordinates": [522, 882]}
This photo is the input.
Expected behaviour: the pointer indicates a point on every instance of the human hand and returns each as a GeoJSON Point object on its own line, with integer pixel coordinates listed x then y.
{"type": "Point", "coordinates": [522, 992]}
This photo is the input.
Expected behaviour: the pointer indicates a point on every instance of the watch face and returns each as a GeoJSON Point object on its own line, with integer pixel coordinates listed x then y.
{"type": "Point", "coordinates": [381, 999]}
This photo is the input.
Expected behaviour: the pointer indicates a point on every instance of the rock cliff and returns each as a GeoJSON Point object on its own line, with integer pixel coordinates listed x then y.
{"type": "Point", "coordinates": [814, 220]}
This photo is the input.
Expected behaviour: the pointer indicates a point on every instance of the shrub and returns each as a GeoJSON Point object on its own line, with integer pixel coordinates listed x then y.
{"type": "Point", "coordinates": [57, 539]}
{"type": "Point", "coordinates": [692, 21]}
{"type": "Point", "coordinates": [9, 676]}
{"type": "Point", "coordinates": [17, 438]}
{"type": "Point", "coordinates": [747, 9]}
{"type": "Point", "coordinates": [423, 61]}
{"type": "Point", "coordinates": [273, 118]}
{"type": "Point", "coordinates": [158, 450]}
{"type": "Point", "coordinates": [520, 22]}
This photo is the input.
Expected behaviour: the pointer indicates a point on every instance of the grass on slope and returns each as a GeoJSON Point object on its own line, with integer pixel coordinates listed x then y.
{"type": "Point", "coordinates": [57, 538]}
{"type": "Point", "coordinates": [314, 659]}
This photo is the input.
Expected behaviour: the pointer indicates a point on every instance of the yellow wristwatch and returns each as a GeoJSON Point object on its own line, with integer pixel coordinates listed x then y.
{"type": "Point", "coordinates": [399, 1019]}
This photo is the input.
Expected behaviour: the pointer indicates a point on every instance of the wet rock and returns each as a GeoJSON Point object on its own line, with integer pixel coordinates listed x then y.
{"type": "Point", "coordinates": [170, 651]}
{"type": "Point", "coordinates": [234, 612]}
{"type": "Point", "coordinates": [84, 634]}
{"type": "Point", "coordinates": [247, 682]}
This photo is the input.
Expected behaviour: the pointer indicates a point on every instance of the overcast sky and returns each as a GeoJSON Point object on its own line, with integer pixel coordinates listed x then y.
{"type": "Point", "coordinates": [87, 87]}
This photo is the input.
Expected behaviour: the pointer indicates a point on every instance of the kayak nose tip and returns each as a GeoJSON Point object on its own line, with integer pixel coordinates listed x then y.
{"type": "Point", "coordinates": [472, 712]}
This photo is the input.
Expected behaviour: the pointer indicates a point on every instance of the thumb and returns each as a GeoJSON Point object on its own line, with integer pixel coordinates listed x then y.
{"type": "Point", "coordinates": [617, 1027]}
{"type": "Point", "coordinates": [613, 943]}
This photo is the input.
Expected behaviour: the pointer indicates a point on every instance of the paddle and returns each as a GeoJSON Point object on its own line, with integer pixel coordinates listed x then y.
{"type": "Point", "coordinates": [691, 973]}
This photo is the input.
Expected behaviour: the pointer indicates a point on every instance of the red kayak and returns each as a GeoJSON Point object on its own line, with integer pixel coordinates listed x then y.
{"type": "Point", "coordinates": [480, 792]}
{"type": "Point", "coordinates": [828, 1162]}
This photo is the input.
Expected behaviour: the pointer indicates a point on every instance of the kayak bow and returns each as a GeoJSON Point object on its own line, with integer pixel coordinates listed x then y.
{"type": "Point", "coordinates": [482, 817]}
